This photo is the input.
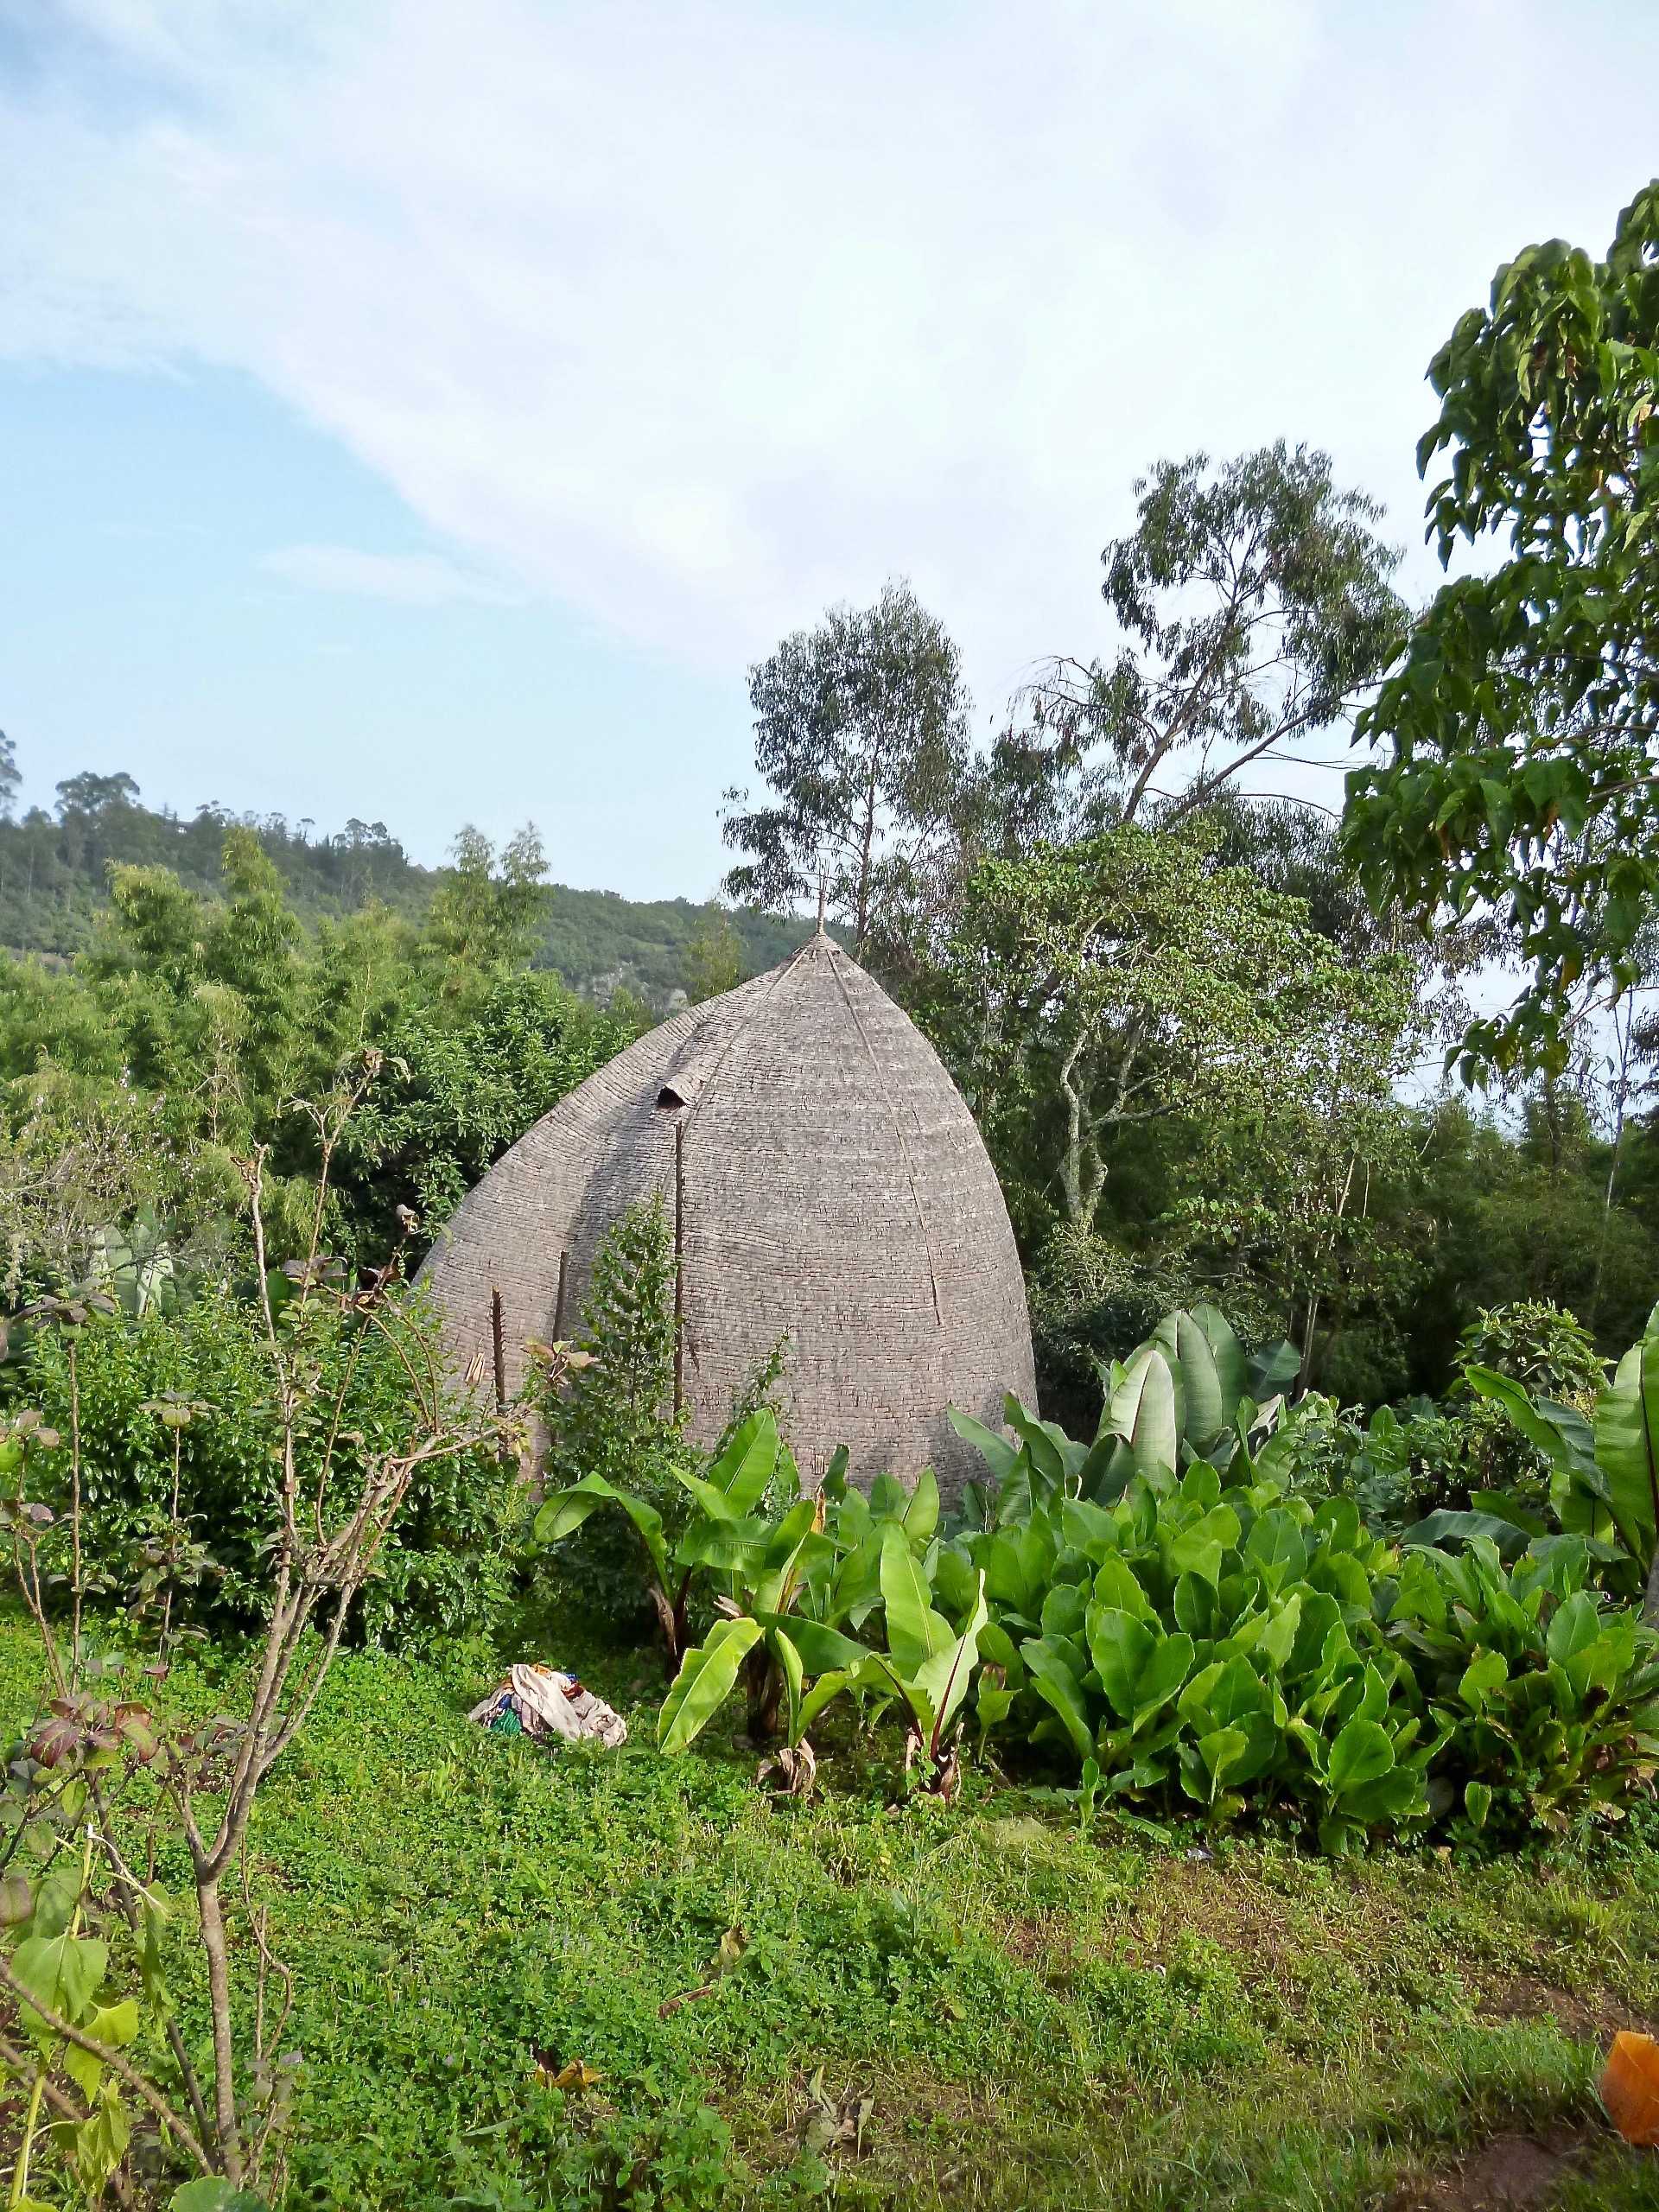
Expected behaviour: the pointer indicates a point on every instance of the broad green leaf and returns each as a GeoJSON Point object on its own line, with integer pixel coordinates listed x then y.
{"type": "Point", "coordinates": [1062, 1611]}
{"type": "Point", "coordinates": [1361, 1753]}
{"type": "Point", "coordinates": [997, 1453]}
{"type": "Point", "coordinates": [63, 1972]}
{"type": "Point", "coordinates": [1484, 1676]}
{"type": "Point", "coordinates": [1222, 1750]}
{"type": "Point", "coordinates": [823, 1692]}
{"type": "Point", "coordinates": [1399, 1795]}
{"type": "Point", "coordinates": [1278, 1639]}
{"type": "Point", "coordinates": [1577, 1623]}
{"type": "Point", "coordinates": [1272, 1369]}
{"type": "Point", "coordinates": [1120, 1646]}
{"type": "Point", "coordinates": [213, 2194]}
{"type": "Point", "coordinates": [820, 1648]}
{"type": "Point", "coordinates": [1275, 1545]}
{"type": "Point", "coordinates": [704, 1682]}
{"type": "Point", "coordinates": [1627, 1443]}
{"type": "Point", "coordinates": [1228, 1356]}
{"type": "Point", "coordinates": [921, 1516]}
{"type": "Point", "coordinates": [1055, 1683]}
{"type": "Point", "coordinates": [944, 1679]}
{"type": "Point", "coordinates": [1445, 1525]}
{"type": "Point", "coordinates": [1544, 1435]}
{"type": "Point", "coordinates": [743, 1470]}
{"type": "Point", "coordinates": [1160, 1678]}
{"type": "Point", "coordinates": [1204, 1408]}
{"type": "Point", "coordinates": [1236, 1690]}
{"type": "Point", "coordinates": [1144, 1411]}
{"type": "Point", "coordinates": [1116, 1584]}
{"type": "Point", "coordinates": [1197, 1550]}
{"type": "Point", "coordinates": [1045, 1443]}
{"type": "Point", "coordinates": [915, 1631]}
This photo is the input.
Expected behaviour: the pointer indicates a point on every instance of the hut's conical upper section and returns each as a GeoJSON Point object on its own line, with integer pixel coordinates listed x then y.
{"type": "Point", "coordinates": [830, 1187]}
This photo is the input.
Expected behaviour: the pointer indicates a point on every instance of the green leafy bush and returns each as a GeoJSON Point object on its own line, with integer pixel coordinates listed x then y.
{"type": "Point", "coordinates": [1545, 1696]}
{"type": "Point", "coordinates": [1223, 1648]}
{"type": "Point", "coordinates": [447, 1569]}
{"type": "Point", "coordinates": [611, 1432]}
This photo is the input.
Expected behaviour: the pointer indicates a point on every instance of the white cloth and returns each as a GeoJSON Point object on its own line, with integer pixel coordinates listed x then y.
{"type": "Point", "coordinates": [564, 1708]}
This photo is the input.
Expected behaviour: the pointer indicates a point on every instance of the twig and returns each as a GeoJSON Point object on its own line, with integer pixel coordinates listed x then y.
{"type": "Point", "coordinates": [117, 2065]}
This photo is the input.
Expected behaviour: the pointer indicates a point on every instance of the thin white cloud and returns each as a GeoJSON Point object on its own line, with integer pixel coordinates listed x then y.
{"type": "Point", "coordinates": [700, 316]}
{"type": "Point", "coordinates": [410, 579]}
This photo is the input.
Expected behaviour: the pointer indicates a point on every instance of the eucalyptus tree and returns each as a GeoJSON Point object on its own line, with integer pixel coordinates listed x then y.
{"type": "Point", "coordinates": [862, 736]}
{"type": "Point", "coordinates": [1522, 715]}
{"type": "Point", "coordinates": [1129, 981]}
{"type": "Point", "coordinates": [1253, 608]}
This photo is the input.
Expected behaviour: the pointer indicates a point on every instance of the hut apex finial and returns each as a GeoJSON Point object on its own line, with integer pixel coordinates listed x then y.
{"type": "Point", "coordinates": [822, 888]}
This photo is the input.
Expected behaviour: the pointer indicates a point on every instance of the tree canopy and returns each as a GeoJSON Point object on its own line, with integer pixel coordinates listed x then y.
{"type": "Point", "coordinates": [861, 734]}
{"type": "Point", "coordinates": [1520, 719]}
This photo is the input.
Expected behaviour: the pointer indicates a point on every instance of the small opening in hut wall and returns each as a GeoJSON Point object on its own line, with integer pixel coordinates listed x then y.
{"type": "Point", "coordinates": [668, 1098]}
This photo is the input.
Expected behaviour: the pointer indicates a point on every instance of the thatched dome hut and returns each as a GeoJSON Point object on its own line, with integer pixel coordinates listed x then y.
{"type": "Point", "coordinates": [826, 1181]}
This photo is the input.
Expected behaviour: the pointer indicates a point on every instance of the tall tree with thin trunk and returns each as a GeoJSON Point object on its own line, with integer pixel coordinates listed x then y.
{"type": "Point", "coordinates": [861, 733]}
{"type": "Point", "coordinates": [1253, 608]}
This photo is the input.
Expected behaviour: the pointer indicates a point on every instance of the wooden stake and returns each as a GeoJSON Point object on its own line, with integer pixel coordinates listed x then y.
{"type": "Point", "coordinates": [498, 1335]}
{"type": "Point", "coordinates": [558, 1304]}
{"type": "Point", "coordinates": [679, 1265]}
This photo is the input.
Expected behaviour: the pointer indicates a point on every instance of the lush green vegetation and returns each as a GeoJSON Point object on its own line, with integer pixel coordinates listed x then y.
{"type": "Point", "coordinates": [1038, 2016]}
{"type": "Point", "coordinates": [54, 889]}
{"type": "Point", "coordinates": [1244, 1795]}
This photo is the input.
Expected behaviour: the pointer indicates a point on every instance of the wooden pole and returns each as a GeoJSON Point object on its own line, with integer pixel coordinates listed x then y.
{"type": "Point", "coordinates": [679, 1265]}
{"type": "Point", "coordinates": [558, 1304]}
{"type": "Point", "coordinates": [498, 1345]}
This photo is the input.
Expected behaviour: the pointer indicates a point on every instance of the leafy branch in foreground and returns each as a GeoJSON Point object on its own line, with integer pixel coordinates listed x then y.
{"type": "Point", "coordinates": [99, 1782]}
{"type": "Point", "coordinates": [1523, 714]}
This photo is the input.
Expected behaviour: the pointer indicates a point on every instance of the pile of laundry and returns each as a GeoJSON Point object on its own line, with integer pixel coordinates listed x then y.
{"type": "Point", "coordinates": [538, 1701]}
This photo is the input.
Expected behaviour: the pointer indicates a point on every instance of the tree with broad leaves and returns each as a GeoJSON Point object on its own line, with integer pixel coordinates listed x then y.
{"type": "Point", "coordinates": [1254, 606]}
{"type": "Point", "coordinates": [861, 734]}
{"type": "Point", "coordinates": [1523, 714]}
{"type": "Point", "coordinates": [1128, 980]}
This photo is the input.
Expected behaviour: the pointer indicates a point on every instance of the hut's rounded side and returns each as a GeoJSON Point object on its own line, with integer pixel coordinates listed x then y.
{"type": "Point", "coordinates": [828, 1184]}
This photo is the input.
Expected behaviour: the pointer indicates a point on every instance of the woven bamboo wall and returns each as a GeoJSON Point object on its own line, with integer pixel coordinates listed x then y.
{"type": "Point", "coordinates": [833, 1187]}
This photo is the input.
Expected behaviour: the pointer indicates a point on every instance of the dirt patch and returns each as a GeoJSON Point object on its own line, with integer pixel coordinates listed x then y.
{"type": "Point", "coordinates": [1587, 2015]}
{"type": "Point", "coordinates": [1035, 1941]}
{"type": "Point", "coordinates": [1512, 2173]}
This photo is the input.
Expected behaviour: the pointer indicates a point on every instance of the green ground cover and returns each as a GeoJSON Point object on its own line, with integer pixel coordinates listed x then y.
{"type": "Point", "coordinates": [1038, 2018]}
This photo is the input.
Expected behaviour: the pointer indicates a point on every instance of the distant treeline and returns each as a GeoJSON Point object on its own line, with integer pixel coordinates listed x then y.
{"type": "Point", "coordinates": [54, 879]}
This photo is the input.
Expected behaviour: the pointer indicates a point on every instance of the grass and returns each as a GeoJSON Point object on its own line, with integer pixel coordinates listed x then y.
{"type": "Point", "coordinates": [1038, 2019]}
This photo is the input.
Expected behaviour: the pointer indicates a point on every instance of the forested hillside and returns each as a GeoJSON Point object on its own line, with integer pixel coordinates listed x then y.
{"type": "Point", "coordinates": [54, 879]}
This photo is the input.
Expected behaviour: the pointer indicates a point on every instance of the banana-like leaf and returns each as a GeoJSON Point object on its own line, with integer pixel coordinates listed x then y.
{"type": "Point", "coordinates": [1049, 1447]}
{"type": "Point", "coordinates": [1210, 1397]}
{"type": "Point", "coordinates": [1147, 1410]}
{"type": "Point", "coordinates": [821, 1648]}
{"type": "Point", "coordinates": [915, 1631]}
{"type": "Point", "coordinates": [1444, 1523]}
{"type": "Point", "coordinates": [1271, 1370]}
{"type": "Point", "coordinates": [775, 1585]}
{"type": "Point", "coordinates": [921, 1516]}
{"type": "Point", "coordinates": [704, 1682]}
{"type": "Point", "coordinates": [1228, 1355]}
{"type": "Point", "coordinates": [997, 1453]}
{"type": "Point", "coordinates": [562, 1515]}
{"type": "Point", "coordinates": [745, 1467]}
{"type": "Point", "coordinates": [828, 1687]}
{"type": "Point", "coordinates": [783, 1648]}
{"type": "Point", "coordinates": [944, 1679]}
{"type": "Point", "coordinates": [1627, 1443]}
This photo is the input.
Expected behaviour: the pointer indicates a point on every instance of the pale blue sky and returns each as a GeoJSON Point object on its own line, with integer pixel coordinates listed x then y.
{"type": "Point", "coordinates": [426, 413]}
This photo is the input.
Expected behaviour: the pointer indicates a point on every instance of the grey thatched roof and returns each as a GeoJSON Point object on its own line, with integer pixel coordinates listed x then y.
{"type": "Point", "coordinates": [831, 1186]}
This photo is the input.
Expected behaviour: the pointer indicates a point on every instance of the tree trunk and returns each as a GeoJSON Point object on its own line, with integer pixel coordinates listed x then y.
{"type": "Point", "coordinates": [226, 2139]}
